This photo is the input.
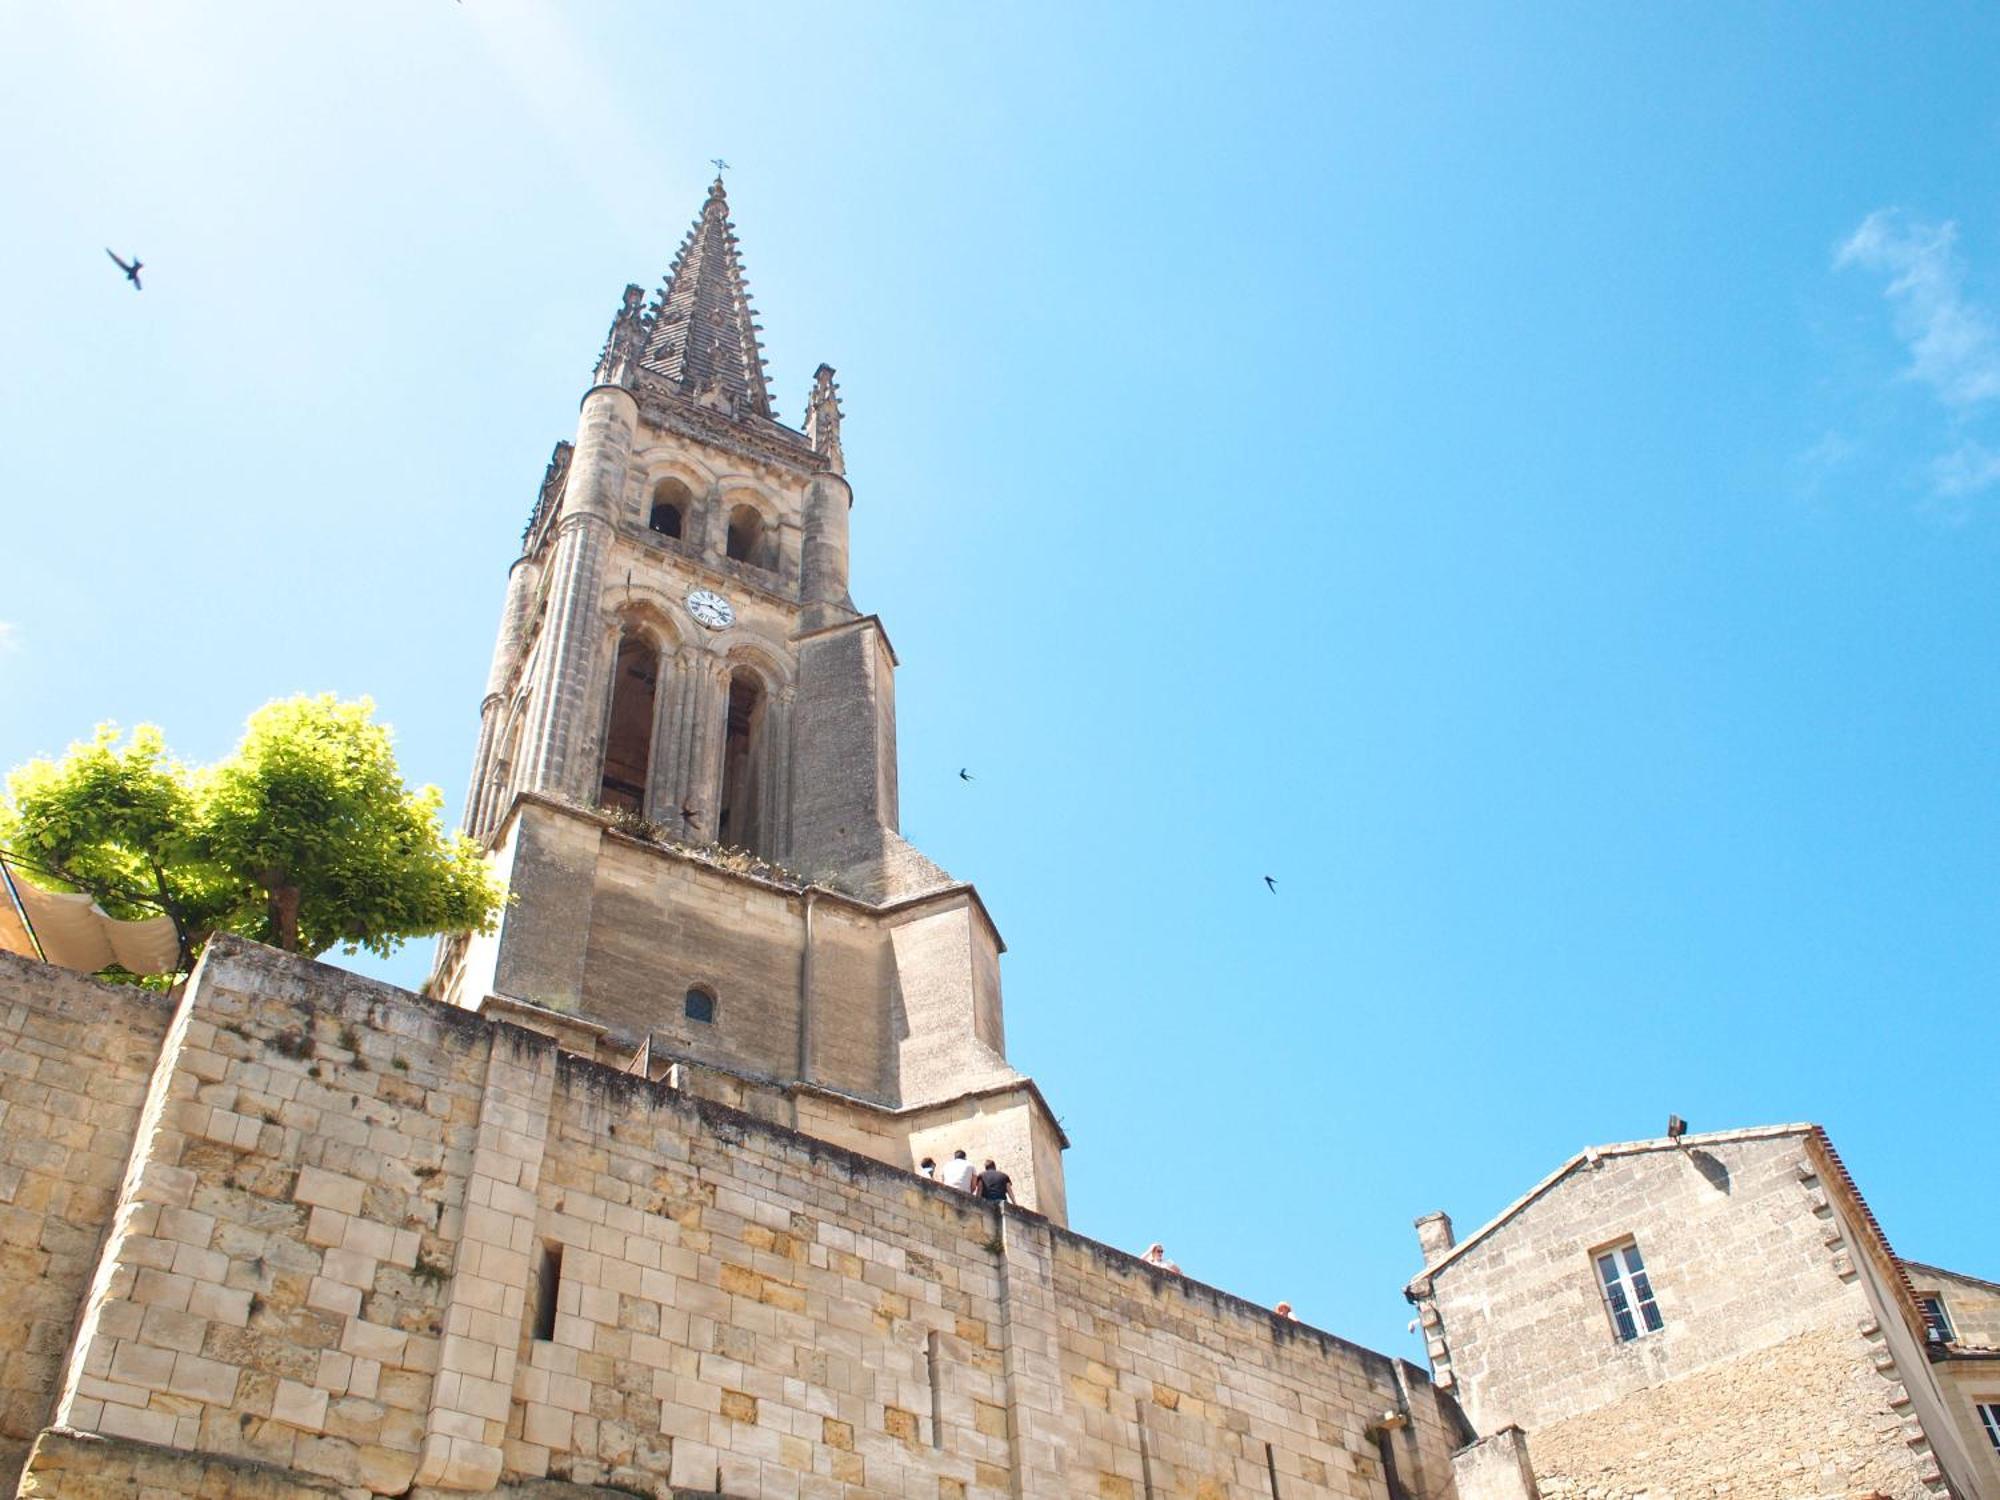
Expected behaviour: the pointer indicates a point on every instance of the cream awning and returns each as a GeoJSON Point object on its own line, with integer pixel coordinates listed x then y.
{"type": "Point", "coordinates": [76, 933]}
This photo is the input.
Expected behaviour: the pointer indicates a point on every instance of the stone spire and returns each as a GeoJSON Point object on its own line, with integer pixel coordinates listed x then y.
{"type": "Point", "coordinates": [823, 419]}
{"type": "Point", "coordinates": [704, 332]}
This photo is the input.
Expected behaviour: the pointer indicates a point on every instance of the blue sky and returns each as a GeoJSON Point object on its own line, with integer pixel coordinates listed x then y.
{"type": "Point", "coordinates": [1525, 478]}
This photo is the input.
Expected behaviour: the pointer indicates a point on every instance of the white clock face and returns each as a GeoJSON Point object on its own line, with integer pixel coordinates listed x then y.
{"type": "Point", "coordinates": [711, 609]}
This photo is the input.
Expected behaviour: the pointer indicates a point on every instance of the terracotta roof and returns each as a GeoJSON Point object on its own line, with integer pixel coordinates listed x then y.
{"type": "Point", "coordinates": [1846, 1180]}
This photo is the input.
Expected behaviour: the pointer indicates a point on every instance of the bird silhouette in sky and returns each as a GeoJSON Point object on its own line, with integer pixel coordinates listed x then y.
{"type": "Point", "coordinates": [1271, 885]}
{"type": "Point", "coordinates": [965, 775]}
{"type": "Point", "coordinates": [130, 268]}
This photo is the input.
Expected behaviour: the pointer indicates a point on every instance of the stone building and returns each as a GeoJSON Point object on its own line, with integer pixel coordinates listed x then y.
{"type": "Point", "coordinates": [627, 1204]}
{"type": "Point", "coordinates": [686, 769]}
{"type": "Point", "coordinates": [1717, 1314]}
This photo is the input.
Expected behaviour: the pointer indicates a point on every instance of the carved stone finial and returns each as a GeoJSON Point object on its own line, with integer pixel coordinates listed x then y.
{"type": "Point", "coordinates": [554, 479]}
{"type": "Point", "coordinates": [618, 364]}
{"type": "Point", "coordinates": [823, 419]}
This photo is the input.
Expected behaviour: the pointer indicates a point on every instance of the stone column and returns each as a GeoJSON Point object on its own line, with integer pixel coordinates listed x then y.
{"type": "Point", "coordinates": [677, 741]}
{"type": "Point", "coordinates": [663, 774]}
{"type": "Point", "coordinates": [823, 553]}
{"type": "Point", "coordinates": [558, 710]}
{"type": "Point", "coordinates": [708, 533]}
{"type": "Point", "coordinates": [507, 653]}
{"type": "Point", "coordinates": [709, 685]}
{"type": "Point", "coordinates": [778, 777]}
{"type": "Point", "coordinates": [560, 717]}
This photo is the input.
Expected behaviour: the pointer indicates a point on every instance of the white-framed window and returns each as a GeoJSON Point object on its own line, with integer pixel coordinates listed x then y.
{"type": "Point", "coordinates": [1628, 1293]}
{"type": "Point", "coordinates": [1989, 1418]}
{"type": "Point", "coordinates": [1937, 1322]}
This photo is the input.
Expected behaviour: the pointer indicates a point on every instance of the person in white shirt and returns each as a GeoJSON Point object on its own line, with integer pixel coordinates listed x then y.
{"type": "Point", "coordinates": [957, 1173]}
{"type": "Point", "coordinates": [1156, 1255]}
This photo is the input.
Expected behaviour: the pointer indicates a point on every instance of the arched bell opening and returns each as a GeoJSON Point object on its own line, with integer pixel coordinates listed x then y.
{"type": "Point", "coordinates": [749, 539]}
{"type": "Point", "coordinates": [628, 737]}
{"type": "Point", "coordinates": [671, 507]}
{"type": "Point", "coordinates": [739, 819]}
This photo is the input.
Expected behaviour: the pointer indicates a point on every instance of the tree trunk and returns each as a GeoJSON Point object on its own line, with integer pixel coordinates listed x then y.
{"type": "Point", "coordinates": [282, 910]}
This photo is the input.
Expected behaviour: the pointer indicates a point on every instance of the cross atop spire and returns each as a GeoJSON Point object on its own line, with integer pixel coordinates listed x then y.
{"type": "Point", "coordinates": [704, 332]}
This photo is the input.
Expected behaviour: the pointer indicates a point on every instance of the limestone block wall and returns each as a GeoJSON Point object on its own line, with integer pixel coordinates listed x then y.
{"type": "Point", "coordinates": [1972, 1305]}
{"type": "Point", "coordinates": [659, 927]}
{"type": "Point", "coordinates": [1968, 1384]}
{"type": "Point", "coordinates": [75, 1057]}
{"type": "Point", "coordinates": [825, 1006]}
{"type": "Point", "coordinates": [273, 1285]}
{"type": "Point", "coordinates": [1171, 1388]}
{"type": "Point", "coordinates": [368, 1241]}
{"type": "Point", "coordinates": [1801, 1417]}
{"type": "Point", "coordinates": [1783, 1366]}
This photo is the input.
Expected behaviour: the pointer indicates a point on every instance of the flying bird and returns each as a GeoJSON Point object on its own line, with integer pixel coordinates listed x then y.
{"type": "Point", "coordinates": [689, 812]}
{"type": "Point", "coordinates": [130, 268]}
{"type": "Point", "coordinates": [965, 775]}
{"type": "Point", "coordinates": [1271, 885]}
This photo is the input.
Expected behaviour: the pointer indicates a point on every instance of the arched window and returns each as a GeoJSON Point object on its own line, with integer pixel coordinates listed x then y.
{"type": "Point", "coordinates": [700, 1005]}
{"type": "Point", "coordinates": [628, 739]}
{"type": "Point", "coordinates": [749, 539]}
{"type": "Point", "coordinates": [670, 508]}
{"type": "Point", "coordinates": [742, 762]}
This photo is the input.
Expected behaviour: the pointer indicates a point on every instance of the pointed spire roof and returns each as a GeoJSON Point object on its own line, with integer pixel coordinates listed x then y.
{"type": "Point", "coordinates": [704, 331]}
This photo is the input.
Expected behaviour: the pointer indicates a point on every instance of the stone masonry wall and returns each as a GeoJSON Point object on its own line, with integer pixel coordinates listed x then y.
{"type": "Point", "coordinates": [1772, 1374]}
{"type": "Point", "coordinates": [346, 1203]}
{"type": "Point", "coordinates": [75, 1056]}
{"type": "Point", "coordinates": [1803, 1417]}
{"type": "Point", "coordinates": [1972, 1305]}
{"type": "Point", "coordinates": [1172, 1389]}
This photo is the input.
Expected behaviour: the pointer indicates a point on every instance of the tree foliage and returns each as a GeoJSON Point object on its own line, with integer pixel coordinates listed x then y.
{"type": "Point", "coordinates": [304, 837]}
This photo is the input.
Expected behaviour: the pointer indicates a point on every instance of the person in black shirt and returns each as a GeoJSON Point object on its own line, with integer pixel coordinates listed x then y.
{"type": "Point", "coordinates": [993, 1185]}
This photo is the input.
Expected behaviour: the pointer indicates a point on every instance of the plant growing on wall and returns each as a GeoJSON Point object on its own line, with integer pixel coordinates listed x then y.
{"type": "Point", "coordinates": [304, 837]}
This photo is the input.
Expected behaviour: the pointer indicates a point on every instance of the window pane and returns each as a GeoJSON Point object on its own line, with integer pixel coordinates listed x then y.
{"type": "Point", "coordinates": [1628, 1293]}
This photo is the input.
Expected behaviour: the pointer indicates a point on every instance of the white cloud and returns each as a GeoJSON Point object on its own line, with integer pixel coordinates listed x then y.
{"type": "Point", "coordinates": [1825, 458]}
{"type": "Point", "coordinates": [1952, 343]}
{"type": "Point", "coordinates": [1968, 469]}
{"type": "Point", "coordinates": [10, 638]}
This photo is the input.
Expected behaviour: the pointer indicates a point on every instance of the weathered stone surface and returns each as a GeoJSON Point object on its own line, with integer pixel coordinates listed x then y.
{"type": "Point", "coordinates": [734, 1304]}
{"type": "Point", "coordinates": [1788, 1341]}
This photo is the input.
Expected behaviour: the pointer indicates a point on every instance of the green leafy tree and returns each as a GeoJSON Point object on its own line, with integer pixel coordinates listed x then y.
{"type": "Point", "coordinates": [305, 837]}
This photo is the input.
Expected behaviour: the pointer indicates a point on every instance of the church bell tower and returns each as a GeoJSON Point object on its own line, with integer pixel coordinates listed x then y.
{"type": "Point", "coordinates": [686, 769]}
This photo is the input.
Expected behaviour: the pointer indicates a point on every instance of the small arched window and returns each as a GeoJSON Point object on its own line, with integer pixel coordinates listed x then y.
{"type": "Point", "coordinates": [748, 539]}
{"type": "Point", "coordinates": [670, 508]}
{"type": "Point", "coordinates": [701, 1006]}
